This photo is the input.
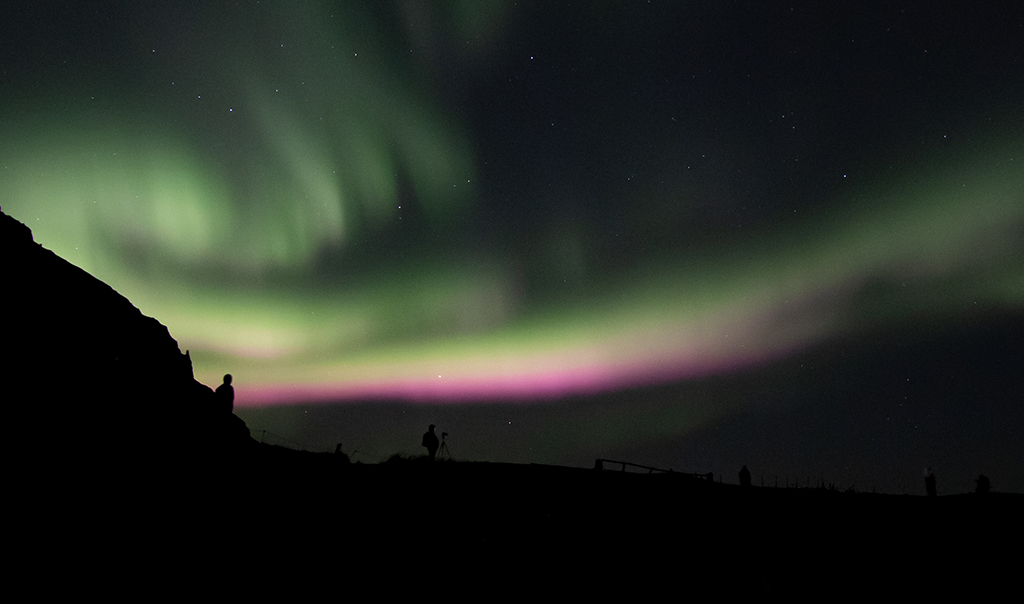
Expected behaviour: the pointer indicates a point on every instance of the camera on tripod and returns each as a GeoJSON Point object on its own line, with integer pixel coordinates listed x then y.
{"type": "Point", "coordinates": [445, 452]}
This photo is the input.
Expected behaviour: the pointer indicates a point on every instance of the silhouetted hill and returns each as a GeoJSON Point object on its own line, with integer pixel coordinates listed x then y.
{"type": "Point", "coordinates": [106, 494]}
{"type": "Point", "coordinates": [95, 390]}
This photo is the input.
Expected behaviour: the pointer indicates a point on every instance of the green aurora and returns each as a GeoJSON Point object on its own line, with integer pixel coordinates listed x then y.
{"type": "Point", "coordinates": [148, 218]}
{"type": "Point", "coordinates": [491, 202]}
{"type": "Point", "coordinates": [208, 191]}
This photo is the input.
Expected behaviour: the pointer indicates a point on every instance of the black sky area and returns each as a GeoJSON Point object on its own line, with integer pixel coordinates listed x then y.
{"type": "Point", "coordinates": [758, 110]}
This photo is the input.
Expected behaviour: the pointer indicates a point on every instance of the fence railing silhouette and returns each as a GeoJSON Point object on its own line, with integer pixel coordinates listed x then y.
{"type": "Point", "coordinates": [599, 465]}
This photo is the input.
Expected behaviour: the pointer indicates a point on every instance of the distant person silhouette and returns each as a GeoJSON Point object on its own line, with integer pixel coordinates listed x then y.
{"type": "Point", "coordinates": [430, 442]}
{"type": "Point", "coordinates": [983, 485]}
{"type": "Point", "coordinates": [340, 455]}
{"type": "Point", "coordinates": [929, 482]}
{"type": "Point", "coordinates": [226, 395]}
{"type": "Point", "coordinates": [744, 477]}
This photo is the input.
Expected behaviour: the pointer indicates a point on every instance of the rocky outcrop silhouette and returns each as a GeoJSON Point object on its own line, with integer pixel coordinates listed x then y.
{"type": "Point", "coordinates": [94, 389]}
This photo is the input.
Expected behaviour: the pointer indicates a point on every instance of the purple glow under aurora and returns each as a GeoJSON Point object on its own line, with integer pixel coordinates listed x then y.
{"type": "Point", "coordinates": [776, 296]}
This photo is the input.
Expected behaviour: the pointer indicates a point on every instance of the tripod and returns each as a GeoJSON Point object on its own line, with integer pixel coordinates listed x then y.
{"type": "Point", "coordinates": [444, 453]}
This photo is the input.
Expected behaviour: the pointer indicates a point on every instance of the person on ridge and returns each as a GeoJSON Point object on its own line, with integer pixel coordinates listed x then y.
{"type": "Point", "coordinates": [226, 395]}
{"type": "Point", "coordinates": [929, 482]}
{"type": "Point", "coordinates": [430, 442]}
{"type": "Point", "coordinates": [744, 477]}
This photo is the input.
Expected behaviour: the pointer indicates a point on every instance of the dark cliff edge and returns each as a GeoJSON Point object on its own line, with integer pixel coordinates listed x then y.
{"type": "Point", "coordinates": [95, 391]}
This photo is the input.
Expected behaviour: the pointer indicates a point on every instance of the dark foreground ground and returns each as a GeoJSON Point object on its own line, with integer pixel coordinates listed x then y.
{"type": "Point", "coordinates": [316, 529]}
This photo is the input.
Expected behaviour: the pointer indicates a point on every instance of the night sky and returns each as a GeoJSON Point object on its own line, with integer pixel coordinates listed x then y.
{"type": "Point", "coordinates": [685, 234]}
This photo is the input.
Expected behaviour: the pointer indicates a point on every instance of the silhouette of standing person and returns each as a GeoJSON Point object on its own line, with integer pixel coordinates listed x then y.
{"type": "Point", "coordinates": [430, 442]}
{"type": "Point", "coordinates": [226, 395]}
{"type": "Point", "coordinates": [744, 477]}
{"type": "Point", "coordinates": [983, 484]}
{"type": "Point", "coordinates": [929, 482]}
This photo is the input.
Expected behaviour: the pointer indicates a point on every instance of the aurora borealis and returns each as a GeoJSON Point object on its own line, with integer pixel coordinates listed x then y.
{"type": "Point", "coordinates": [497, 203]}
